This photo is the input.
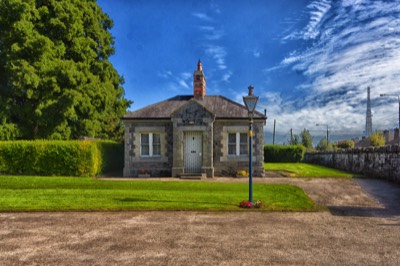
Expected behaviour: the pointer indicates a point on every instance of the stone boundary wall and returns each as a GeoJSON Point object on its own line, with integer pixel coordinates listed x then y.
{"type": "Point", "coordinates": [377, 162]}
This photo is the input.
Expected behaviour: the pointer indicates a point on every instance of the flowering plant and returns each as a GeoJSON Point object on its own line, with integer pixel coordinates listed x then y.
{"type": "Point", "coordinates": [248, 204]}
{"type": "Point", "coordinates": [242, 173]}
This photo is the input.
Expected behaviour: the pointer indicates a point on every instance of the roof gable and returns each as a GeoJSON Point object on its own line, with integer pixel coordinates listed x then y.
{"type": "Point", "coordinates": [192, 113]}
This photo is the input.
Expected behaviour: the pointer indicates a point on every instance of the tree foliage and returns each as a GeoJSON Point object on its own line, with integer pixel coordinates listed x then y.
{"type": "Point", "coordinates": [295, 140]}
{"type": "Point", "coordinates": [56, 81]}
{"type": "Point", "coordinates": [323, 145]}
{"type": "Point", "coordinates": [306, 139]}
{"type": "Point", "coordinates": [377, 139]}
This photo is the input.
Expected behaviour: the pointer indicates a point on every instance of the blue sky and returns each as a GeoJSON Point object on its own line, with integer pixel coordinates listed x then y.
{"type": "Point", "coordinates": [309, 61]}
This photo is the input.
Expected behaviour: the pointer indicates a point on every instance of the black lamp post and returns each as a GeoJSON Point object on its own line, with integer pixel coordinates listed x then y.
{"type": "Point", "coordinates": [250, 101]}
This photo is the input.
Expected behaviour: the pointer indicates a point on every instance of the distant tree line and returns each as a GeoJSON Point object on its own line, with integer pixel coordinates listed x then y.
{"type": "Point", "coordinates": [305, 139]}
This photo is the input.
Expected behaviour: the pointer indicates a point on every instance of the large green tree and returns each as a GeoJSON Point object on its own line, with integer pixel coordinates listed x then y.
{"type": "Point", "coordinates": [56, 81]}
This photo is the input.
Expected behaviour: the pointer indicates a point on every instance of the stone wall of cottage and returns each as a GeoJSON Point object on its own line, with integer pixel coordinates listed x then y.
{"type": "Point", "coordinates": [219, 163]}
{"type": "Point", "coordinates": [135, 165]}
{"type": "Point", "coordinates": [377, 162]}
{"type": "Point", "coordinates": [228, 165]}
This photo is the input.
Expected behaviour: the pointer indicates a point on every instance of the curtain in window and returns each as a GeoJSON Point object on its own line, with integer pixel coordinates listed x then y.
{"type": "Point", "coordinates": [243, 144]}
{"type": "Point", "coordinates": [145, 144]}
{"type": "Point", "coordinates": [156, 145]}
{"type": "Point", "coordinates": [232, 144]}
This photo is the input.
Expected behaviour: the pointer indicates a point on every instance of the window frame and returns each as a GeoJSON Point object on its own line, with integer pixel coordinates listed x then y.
{"type": "Point", "coordinates": [238, 144]}
{"type": "Point", "coordinates": [150, 145]}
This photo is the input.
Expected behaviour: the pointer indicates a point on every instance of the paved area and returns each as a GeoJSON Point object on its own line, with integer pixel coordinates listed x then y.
{"type": "Point", "coordinates": [361, 226]}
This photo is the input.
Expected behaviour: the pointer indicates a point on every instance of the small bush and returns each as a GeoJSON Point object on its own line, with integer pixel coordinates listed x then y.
{"type": "Point", "coordinates": [278, 153]}
{"type": "Point", "coordinates": [346, 144]}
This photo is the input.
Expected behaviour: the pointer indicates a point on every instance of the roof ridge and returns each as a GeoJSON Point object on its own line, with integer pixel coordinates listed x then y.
{"type": "Point", "coordinates": [241, 105]}
{"type": "Point", "coordinates": [219, 105]}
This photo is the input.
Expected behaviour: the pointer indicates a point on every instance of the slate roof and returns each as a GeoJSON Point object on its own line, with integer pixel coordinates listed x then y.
{"type": "Point", "coordinates": [220, 106]}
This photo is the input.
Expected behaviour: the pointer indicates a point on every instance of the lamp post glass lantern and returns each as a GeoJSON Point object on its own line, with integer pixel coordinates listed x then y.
{"type": "Point", "coordinates": [250, 102]}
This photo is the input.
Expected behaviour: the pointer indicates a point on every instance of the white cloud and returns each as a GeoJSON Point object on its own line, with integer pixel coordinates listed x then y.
{"type": "Point", "coordinates": [318, 10]}
{"type": "Point", "coordinates": [202, 16]}
{"type": "Point", "coordinates": [207, 28]}
{"type": "Point", "coordinates": [291, 59]}
{"type": "Point", "coordinates": [184, 80]}
{"type": "Point", "coordinates": [165, 74]}
{"type": "Point", "coordinates": [215, 7]}
{"type": "Point", "coordinates": [211, 33]}
{"type": "Point", "coordinates": [215, 35]}
{"type": "Point", "coordinates": [308, 116]}
{"type": "Point", "coordinates": [218, 53]}
{"type": "Point", "coordinates": [356, 45]}
{"type": "Point", "coordinates": [226, 76]}
{"type": "Point", "coordinates": [317, 13]}
{"type": "Point", "coordinates": [177, 82]}
{"type": "Point", "coordinates": [183, 84]}
{"type": "Point", "coordinates": [257, 53]}
{"type": "Point", "coordinates": [186, 75]}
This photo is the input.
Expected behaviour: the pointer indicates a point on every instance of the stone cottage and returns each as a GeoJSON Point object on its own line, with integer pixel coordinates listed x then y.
{"type": "Point", "coordinates": [195, 134]}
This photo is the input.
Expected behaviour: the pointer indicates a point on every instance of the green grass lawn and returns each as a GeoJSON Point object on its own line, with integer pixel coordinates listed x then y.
{"type": "Point", "coordinates": [305, 170]}
{"type": "Point", "coordinates": [23, 193]}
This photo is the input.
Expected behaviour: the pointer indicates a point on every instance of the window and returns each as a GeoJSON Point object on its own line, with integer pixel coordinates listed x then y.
{"type": "Point", "coordinates": [150, 144]}
{"type": "Point", "coordinates": [243, 146]}
{"type": "Point", "coordinates": [237, 144]}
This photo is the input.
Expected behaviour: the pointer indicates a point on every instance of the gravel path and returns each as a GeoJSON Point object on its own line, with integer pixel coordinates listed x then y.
{"type": "Point", "coordinates": [361, 226]}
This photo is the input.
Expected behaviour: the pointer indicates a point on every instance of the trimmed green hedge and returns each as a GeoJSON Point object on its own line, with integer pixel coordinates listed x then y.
{"type": "Point", "coordinates": [61, 158]}
{"type": "Point", "coordinates": [279, 153]}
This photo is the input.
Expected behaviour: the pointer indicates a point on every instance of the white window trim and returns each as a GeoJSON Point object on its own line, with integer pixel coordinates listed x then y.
{"type": "Point", "coordinates": [150, 145]}
{"type": "Point", "coordinates": [237, 144]}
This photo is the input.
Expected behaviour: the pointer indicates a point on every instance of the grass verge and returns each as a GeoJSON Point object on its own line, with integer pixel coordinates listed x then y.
{"type": "Point", "coordinates": [22, 193]}
{"type": "Point", "coordinates": [305, 170]}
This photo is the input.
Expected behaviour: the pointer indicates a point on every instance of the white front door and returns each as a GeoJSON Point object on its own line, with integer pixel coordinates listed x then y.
{"type": "Point", "coordinates": [193, 152]}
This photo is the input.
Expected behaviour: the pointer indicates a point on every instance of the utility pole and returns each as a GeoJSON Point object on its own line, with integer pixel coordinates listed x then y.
{"type": "Point", "coordinates": [273, 135]}
{"type": "Point", "coordinates": [291, 136]}
{"type": "Point", "coordinates": [327, 131]}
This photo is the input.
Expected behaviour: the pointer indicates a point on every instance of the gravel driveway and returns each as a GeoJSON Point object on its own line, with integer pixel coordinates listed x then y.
{"type": "Point", "coordinates": [360, 226]}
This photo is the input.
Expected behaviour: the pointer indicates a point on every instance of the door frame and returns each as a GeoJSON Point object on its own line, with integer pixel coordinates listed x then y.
{"type": "Point", "coordinates": [195, 156]}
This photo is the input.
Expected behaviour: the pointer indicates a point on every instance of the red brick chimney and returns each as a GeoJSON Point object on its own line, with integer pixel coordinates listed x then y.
{"type": "Point", "coordinates": [199, 82]}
